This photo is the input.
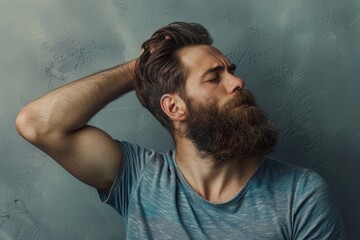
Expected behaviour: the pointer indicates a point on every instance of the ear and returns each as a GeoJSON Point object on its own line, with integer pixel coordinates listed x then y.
{"type": "Point", "coordinates": [173, 106]}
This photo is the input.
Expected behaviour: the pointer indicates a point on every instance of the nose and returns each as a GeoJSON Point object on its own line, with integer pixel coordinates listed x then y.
{"type": "Point", "coordinates": [234, 83]}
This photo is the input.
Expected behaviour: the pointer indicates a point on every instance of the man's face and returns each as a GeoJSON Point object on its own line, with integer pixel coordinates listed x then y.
{"type": "Point", "coordinates": [210, 74]}
{"type": "Point", "coordinates": [222, 120]}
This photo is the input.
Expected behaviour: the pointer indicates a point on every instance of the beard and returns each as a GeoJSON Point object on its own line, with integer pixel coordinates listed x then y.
{"type": "Point", "coordinates": [239, 130]}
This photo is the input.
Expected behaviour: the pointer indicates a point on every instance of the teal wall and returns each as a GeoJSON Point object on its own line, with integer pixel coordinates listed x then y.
{"type": "Point", "coordinates": [300, 58]}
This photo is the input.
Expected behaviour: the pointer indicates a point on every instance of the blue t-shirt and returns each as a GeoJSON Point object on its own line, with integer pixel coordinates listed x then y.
{"type": "Point", "coordinates": [280, 201]}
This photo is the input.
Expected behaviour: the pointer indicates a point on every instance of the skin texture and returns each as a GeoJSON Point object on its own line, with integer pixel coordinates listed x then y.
{"type": "Point", "coordinates": [57, 124]}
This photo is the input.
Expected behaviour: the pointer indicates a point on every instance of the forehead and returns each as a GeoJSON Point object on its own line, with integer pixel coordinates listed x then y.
{"type": "Point", "coordinates": [200, 58]}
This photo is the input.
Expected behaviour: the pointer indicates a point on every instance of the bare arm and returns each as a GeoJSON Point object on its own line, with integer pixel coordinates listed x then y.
{"type": "Point", "coordinates": [56, 123]}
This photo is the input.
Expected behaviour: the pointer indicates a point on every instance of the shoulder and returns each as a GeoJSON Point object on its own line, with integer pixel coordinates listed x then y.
{"type": "Point", "coordinates": [313, 210]}
{"type": "Point", "coordinates": [138, 163]}
{"type": "Point", "coordinates": [131, 150]}
{"type": "Point", "coordinates": [278, 170]}
{"type": "Point", "coordinates": [142, 158]}
{"type": "Point", "coordinates": [150, 172]}
{"type": "Point", "coordinates": [296, 182]}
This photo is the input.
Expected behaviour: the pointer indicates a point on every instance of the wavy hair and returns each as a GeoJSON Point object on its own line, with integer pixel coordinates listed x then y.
{"type": "Point", "coordinates": [159, 69]}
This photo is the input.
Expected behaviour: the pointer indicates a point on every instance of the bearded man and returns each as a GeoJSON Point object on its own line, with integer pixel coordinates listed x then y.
{"type": "Point", "coordinates": [217, 183]}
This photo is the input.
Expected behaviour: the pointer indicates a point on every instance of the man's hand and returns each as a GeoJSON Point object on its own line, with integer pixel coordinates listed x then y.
{"type": "Point", "coordinates": [56, 123]}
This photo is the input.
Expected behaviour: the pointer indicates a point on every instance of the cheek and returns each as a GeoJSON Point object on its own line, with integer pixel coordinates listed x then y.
{"type": "Point", "coordinates": [205, 93]}
{"type": "Point", "coordinates": [219, 94]}
{"type": "Point", "coordinates": [198, 95]}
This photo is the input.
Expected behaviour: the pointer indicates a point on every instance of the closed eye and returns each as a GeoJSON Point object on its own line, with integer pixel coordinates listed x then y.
{"type": "Point", "coordinates": [213, 75]}
{"type": "Point", "coordinates": [214, 79]}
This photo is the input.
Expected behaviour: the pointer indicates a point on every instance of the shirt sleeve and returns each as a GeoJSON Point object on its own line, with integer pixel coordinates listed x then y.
{"type": "Point", "coordinates": [315, 214]}
{"type": "Point", "coordinates": [134, 161]}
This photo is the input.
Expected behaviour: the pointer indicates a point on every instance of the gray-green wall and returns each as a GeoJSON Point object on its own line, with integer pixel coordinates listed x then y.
{"type": "Point", "coordinates": [301, 58]}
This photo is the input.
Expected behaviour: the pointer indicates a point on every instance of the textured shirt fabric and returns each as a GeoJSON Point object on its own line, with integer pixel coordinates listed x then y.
{"type": "Point", "coordinates": [280, 201]}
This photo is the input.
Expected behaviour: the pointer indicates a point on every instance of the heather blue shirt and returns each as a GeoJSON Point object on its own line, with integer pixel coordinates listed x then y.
{"type": "Point", "coordinates": [280, 201]}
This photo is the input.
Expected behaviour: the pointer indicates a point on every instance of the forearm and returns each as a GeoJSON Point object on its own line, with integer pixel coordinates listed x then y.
{"type": "Point", "coordinates": [70, 107]}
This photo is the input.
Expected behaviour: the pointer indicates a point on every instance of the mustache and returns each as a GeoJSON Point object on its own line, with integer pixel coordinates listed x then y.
{"type": "Point", "coordinates": [243, 96]}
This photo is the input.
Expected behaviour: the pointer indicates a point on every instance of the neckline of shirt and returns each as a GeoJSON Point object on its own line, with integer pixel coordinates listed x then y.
{"type": "Point", "coordinates": [197, 197]}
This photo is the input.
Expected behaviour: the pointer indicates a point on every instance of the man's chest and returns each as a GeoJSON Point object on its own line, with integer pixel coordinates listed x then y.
{"type": "Point", "coordinates": [178, 215]}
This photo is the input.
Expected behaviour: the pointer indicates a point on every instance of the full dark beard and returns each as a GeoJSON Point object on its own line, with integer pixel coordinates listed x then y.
{"type": "Point", "coordinates": [238, 131]}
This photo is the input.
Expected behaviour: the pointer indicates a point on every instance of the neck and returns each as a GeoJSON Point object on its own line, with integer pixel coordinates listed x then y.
{"type": "Point", "coordinates": [215, 183]}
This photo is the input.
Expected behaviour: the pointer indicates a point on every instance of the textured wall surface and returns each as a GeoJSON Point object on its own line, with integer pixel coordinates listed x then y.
{"type": "Point", "coordinates": [300, 58]}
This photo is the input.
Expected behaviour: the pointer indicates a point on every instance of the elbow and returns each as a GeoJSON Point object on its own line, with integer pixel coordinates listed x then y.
{"type": "Point", "coordinates": [28, 127]}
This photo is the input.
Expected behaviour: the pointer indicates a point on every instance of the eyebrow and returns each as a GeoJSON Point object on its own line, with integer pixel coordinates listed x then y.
{"type": "Point", "coordinates": [217, 69]}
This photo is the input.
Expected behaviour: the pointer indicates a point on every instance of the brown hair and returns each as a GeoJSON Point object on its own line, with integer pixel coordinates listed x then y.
{"type": "Point", "coordinates": [159, 69]}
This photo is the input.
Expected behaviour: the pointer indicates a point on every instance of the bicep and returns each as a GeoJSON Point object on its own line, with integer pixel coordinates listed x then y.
{"type": "Point", "coordinates": [89, 154]}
